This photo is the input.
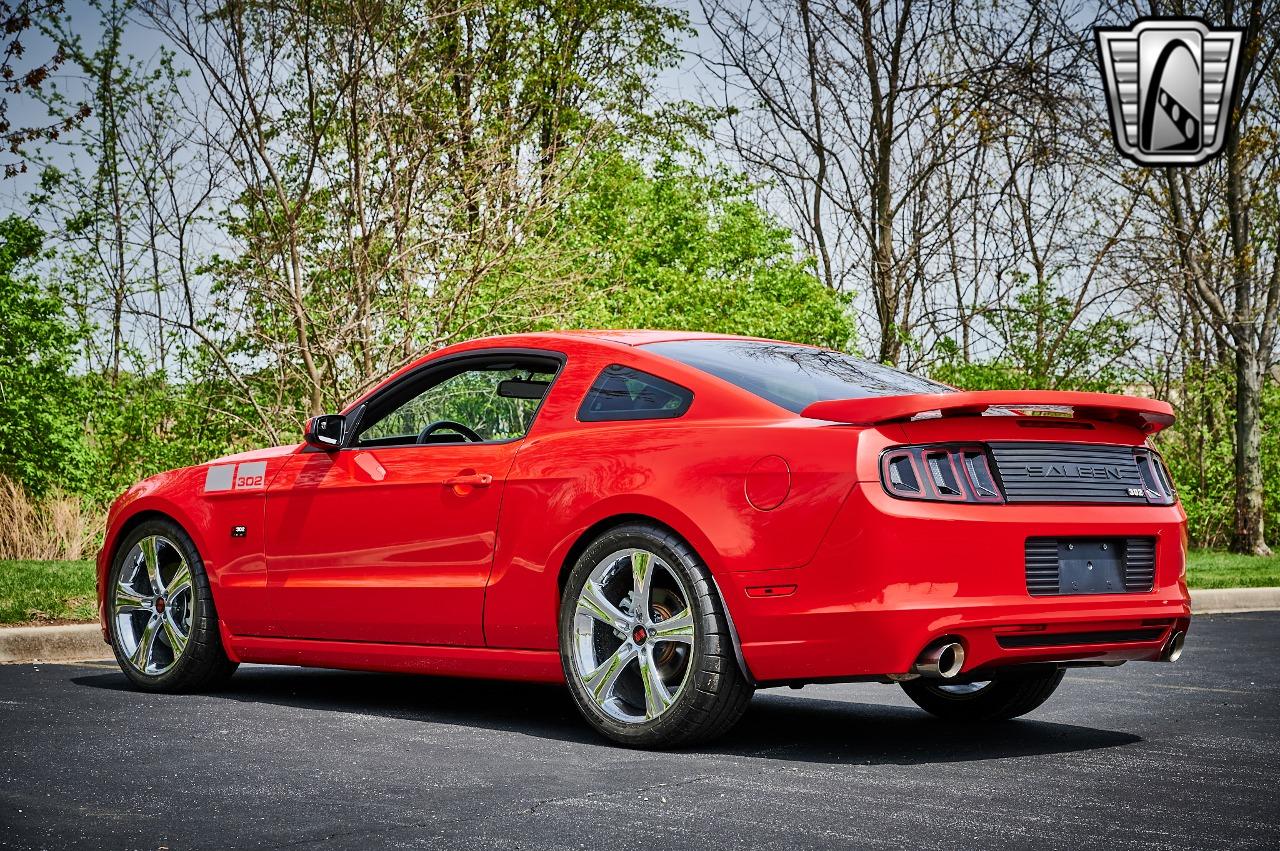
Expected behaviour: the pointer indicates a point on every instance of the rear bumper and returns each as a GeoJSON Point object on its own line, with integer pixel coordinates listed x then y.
{"type": "Point", "coordinates": [891, 577]}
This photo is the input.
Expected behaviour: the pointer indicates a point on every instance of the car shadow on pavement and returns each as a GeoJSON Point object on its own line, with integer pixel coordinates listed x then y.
{"type": "Point", "coordinates": [812, 730]}
{"type": "Point", "coordinates": [776, 726]}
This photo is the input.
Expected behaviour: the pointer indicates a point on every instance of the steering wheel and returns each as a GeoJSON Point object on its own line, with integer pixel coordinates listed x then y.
{"type": "Point", "coordinates": [432, 428]}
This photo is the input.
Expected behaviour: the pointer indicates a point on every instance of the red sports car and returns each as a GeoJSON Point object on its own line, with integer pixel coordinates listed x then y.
{"type": "Point", "coordinates": [666, 522]}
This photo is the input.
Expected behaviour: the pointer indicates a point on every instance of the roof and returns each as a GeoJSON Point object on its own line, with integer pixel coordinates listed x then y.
{"type": "Point", "coordinates": [641, 337]}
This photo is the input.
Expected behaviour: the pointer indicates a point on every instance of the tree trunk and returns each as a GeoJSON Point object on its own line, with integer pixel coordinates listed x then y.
{"type": "Point", "coordinates": [1248, 536]}
{"type": "Point", "coordinates": [819, 146]}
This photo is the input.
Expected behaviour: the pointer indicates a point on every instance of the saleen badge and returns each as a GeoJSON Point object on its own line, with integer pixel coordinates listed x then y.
{"type": "Point", "coordinates": [1170, 84]}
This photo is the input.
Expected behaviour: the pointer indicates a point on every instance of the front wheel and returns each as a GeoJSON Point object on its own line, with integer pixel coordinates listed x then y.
{"type": "Point", "coordinates": [989, 700]}
{"type": "Point", "coordinates": [645, 643]}
{"type": "Point", "coordinates": [163, 625]}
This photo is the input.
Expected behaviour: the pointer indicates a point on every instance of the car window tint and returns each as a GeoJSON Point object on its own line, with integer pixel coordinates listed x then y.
{"type": "Point", "coordinates": [794, 376]}
{"type": "Point", "coordinates": [623, 393]}
{"type": "Point", "coordinates": [481, 399]}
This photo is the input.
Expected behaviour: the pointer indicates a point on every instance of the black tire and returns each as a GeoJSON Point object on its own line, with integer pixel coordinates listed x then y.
{"type": "Point", "coordinates": [714, 693]}
{"type": "Point", "coordinates": [203, 663]}
{"type": "Point", "coordinates": [1001, 699]}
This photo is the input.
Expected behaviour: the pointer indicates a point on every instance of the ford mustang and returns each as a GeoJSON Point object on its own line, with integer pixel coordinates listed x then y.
{"type": "Point", "coordinates": [666, 522]}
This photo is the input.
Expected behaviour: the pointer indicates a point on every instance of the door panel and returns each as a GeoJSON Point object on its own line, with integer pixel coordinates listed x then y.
{"type": "Point", "coordinates": [385, 545]}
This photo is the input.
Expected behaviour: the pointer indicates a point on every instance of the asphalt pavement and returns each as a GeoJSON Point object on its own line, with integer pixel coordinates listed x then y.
{"type": "Point", "coordinates": [1142, 756]}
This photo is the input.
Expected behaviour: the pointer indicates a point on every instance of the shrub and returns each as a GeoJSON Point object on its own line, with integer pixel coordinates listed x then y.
{"type": "Point", "coordinates": [55, 526]}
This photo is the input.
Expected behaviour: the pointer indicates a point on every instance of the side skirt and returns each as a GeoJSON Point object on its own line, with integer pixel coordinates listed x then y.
{"type": "Point", "coordinates": [480, 662]}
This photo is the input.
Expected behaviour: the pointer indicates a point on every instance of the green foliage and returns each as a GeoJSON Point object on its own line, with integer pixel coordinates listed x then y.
{"type": "Point", "coordinates": [1209, 569]}
{"type": "Point", "coordinates": [1042, 348]}
{"type": "Point", "coordinates": [1198, 448]}
{"type": "Point", "coordinates": [437, 173]}
{"type": "Point", "coordinates": [1199, 452]}
{"type": "Point", "coordinates": [1042, 345]}
{"type": "Point", "coordinates": [45, 591]}
{"type": "Point", "coordinates": [137, 426]}
{"type": "Point", "coordinates": [83, 432]}
{"type": "Point", "coordinates": [676, 249]}
{"type": "Point", "coordinates": [40, 431]}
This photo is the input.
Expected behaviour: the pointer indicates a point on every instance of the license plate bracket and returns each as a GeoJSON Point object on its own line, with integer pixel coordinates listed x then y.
{"type": "Point", "coordinates": [1090, 567]}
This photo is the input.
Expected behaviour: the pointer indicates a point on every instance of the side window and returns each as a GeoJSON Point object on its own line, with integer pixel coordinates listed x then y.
{"type": "Point", "coordinates": [623, 393]}
{"type": "Point", "coordinates": [490, 402]}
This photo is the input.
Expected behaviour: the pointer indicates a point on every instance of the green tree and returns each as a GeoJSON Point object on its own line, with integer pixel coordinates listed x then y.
{"type": "Point", "coordinates": [41, 438]}
{"type": "Point", "coordinates": [1199, 451]}
{"type": "Point", "coordinates": [676, 249]}
{"type": "Point", "coordinates": [1043, 344]}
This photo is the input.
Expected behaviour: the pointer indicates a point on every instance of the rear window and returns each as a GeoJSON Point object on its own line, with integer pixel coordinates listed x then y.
{"type": "Point", "coordinates": [794, 376]}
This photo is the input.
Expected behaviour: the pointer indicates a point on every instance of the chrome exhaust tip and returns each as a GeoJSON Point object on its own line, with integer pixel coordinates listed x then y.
{"type": "Point", "coordinates": [941, 661]}
{"type": "Point", "coordinates": [1173, 647]}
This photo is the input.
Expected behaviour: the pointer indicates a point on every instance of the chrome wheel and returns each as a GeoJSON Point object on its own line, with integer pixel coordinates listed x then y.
{"type": "Point", "coordinates": [633, 633]}
{"type": "Point", "coordinates": [151, 605]}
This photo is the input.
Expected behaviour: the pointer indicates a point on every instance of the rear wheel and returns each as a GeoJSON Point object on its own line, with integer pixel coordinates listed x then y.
{"type": "Point", "coordinates": [161, 618]}
{"type": "Point", "coordinates": [989, 700]}
{"type": "Point", "coordinates": [645, 642]}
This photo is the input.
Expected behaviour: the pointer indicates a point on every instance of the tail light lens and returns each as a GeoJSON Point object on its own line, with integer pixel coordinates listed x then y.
{"type": "Point", "coordinates": [965, 474]}
{"type": "Point", "coordinates": [1155, 478]}
{"type": "Point", "coordinates": [940, 474]}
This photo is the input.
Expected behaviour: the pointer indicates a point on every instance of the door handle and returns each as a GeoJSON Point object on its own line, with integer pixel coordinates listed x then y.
{"type": "Point", "coordinates": [475, 480]}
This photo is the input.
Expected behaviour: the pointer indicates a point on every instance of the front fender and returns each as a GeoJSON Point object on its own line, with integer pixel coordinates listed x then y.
{"type": "Point", "coordinates": [163, 496]}
{"type": "Point", "coordinates": [204, 502]}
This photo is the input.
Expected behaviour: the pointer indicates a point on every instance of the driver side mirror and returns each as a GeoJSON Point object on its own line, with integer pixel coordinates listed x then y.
{"type": "Point", "coordinates": [326, 432]}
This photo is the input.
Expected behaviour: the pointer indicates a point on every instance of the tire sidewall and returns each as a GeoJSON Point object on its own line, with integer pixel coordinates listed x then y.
{"type": "Point", "coordinates": [1003, 698]}
{"type": "Point", "coordinates": [672, 721]}
{"type": "Point", "coordinates": [199, 597]}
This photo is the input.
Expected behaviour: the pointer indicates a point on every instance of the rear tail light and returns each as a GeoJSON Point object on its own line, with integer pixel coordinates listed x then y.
{"type": "Point", "coordinates": [966, 473]}
{"type": "Point", "coordinates": [940, 473]}
{"type": "Point", "coordinates": [1155, 478]}
{"type": "Point", "coordinates": [900, 475]}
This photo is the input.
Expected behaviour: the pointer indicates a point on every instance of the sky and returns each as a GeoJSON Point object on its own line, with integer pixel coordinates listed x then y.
{"type": "Point", "coordinates": [687, 81]}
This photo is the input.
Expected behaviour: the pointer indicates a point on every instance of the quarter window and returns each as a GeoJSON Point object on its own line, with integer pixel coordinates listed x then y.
{"type": "Point", "coordinates": [623, 393]}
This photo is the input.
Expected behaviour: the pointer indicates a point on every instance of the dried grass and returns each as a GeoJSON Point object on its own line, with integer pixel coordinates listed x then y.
{"type": "Point", "coordinates": [55, 527]}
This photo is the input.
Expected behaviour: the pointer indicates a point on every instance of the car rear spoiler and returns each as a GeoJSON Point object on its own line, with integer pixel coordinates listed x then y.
{"type": "Point", "coordinates": [1148, 415]}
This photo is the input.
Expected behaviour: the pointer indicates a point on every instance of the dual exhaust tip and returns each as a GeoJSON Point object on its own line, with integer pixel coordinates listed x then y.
{"type": "Point", "coordinates": [942, 660]}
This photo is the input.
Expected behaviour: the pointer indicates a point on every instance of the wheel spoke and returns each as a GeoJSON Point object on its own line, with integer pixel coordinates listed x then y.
{"type": "Point", "coordinates": [656, 696]}
{"type": "Point", "coordinates": [151, 559]}
{"type": "Point", "coordinates": [146, 644]}
{"type": "Point", "coordinates": [179, 582]}
{"type": "Point", "coordinates": [678, 627]}
{"type": "Point", "coordinates": [642, 581]}
{"type": "Point", "coordinates": [173, 634]}
{"type": "Point", "coordinates": [127, 600]}
{"type": "Point", "coordinates": [593, 602]}
{"type": "Point", "coordinates": [600, 682]}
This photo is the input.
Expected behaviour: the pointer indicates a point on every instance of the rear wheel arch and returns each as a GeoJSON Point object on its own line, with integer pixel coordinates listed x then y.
{"type": "Point", "coordinates": [606, 647]}
{"type": "Point", "coordinates": [600, 527]}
